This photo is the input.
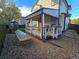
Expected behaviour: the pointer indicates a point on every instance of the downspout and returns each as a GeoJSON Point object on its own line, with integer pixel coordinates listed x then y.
{"type": "Point", "coordinates": [58, 15]}
{"type": "Point", "coordinates": [59, 12]}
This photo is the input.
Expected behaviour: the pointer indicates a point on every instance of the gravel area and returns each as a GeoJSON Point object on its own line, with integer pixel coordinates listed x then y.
{"type": "Point", "coordinates": [37, 49]}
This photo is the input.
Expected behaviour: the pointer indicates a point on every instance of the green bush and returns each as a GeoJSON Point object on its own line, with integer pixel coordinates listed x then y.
{"type": "Point", "coordinates": [74, 27]}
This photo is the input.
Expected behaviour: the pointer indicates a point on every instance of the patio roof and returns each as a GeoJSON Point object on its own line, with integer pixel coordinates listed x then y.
{"type": "Point", "coordinates": [48, 11]}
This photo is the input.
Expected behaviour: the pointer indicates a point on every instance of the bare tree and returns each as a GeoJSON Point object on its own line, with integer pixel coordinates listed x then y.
{"type": "Point", "coordinates": [10, 11]}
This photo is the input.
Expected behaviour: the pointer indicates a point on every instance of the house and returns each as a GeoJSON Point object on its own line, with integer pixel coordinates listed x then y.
{"type": "Point", "coordinates": [21, 21]}
{"type": "Point", "coordinates": [48, 18]}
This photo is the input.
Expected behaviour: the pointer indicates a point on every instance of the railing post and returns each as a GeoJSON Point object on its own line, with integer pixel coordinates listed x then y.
{"type": "Point", "coordinates": [45, 32]}
{"type": "Point", "coordinates": [53, 32]}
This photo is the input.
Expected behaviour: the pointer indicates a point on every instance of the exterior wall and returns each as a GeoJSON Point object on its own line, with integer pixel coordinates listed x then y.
{"type": "Point", "coordinates": [63, 8]}
{"type": "Point", "coordinates": [61, 21]}
{"type": "Point", "coordinates": [51, 12]}
{"type": "Point", "coordinates": [54, 21]}
{"type": "Point", "coordinates": [50, 20]}
{"type": "Point", "coordinates": [47, 20]}
{"type": "Point", "coordinates": [66, 23]}
{"type": "Point", "coordinates": [26, 23]}
{"type": "Point", "coordinates": [45, 4]}
{"type": "Point", "coordinates": [37, 20]}
{"type": "Point", "coordinates": [21, 21]}
{"type": "Point", "coordinates": [35, 23]}
{"type": "Point", "coordinates": [55, 6]}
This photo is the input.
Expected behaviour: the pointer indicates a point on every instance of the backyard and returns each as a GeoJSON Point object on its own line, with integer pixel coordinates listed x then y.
{"type": "Point", "coordinates": [66, 47]}
{"type": "Point", "coordinates": [3, 32]}
{"type": "Point", "coordinates": [45, 20]}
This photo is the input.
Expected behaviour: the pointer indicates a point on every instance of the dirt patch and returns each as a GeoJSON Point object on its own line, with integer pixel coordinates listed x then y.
{"type": "Point", "coordinates": [63, 48]}
{"type": "Point", "coordinates": [70, 42]}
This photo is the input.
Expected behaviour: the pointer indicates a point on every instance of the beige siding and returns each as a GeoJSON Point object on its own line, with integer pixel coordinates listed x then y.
{"type": "Point", "coordinates": [50, 20]}
{"type": "Point", "coordinates": [45, 4]}
{"type": "Point", "coordinates": [47, 20]}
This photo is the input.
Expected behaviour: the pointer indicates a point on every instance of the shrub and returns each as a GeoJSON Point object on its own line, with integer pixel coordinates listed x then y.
{"type": "Point", "coordinates": [74, 27]}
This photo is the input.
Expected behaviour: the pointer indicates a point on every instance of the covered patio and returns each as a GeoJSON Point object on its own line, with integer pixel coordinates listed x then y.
{"type": "Point", "coordinates": [41, 22]}
{"type": "Point", "coordinates": [34, 26]}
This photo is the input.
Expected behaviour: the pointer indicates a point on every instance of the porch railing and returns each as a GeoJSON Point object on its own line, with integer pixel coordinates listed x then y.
{"type": "Point", "coordinates": [53, 31]}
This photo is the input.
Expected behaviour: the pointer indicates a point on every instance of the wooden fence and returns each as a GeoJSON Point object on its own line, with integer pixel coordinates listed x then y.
{"type": "Point", "coordinates": [3, 31]}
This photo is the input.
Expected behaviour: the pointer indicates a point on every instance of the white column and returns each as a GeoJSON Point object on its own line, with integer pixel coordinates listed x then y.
{"type": "Point", "coordinates": [43, 32]}
{"type": "Point", "coordinates": [43, 19]}
{"type": "Point", "coordinates": [53, 31]}
{"type": "Point", "coordinates": [40, 30]}
{"type": "Point", "coordinates": [26, 25]}
{"type": "Point", "coordinates": [31, 25]}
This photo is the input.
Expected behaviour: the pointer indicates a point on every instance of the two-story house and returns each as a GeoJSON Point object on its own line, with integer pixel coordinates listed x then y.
{"type": "Point", "coordinates": [48, 18]}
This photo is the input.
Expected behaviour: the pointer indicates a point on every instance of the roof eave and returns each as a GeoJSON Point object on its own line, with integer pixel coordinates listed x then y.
{"type": "Point", "coordinates": [66, 3]}
{"type": "Point", "coordinates": [34, 5]}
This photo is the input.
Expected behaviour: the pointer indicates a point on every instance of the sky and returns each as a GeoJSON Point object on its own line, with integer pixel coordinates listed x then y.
{"type": "Point", "coordinates": [25, 7]}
